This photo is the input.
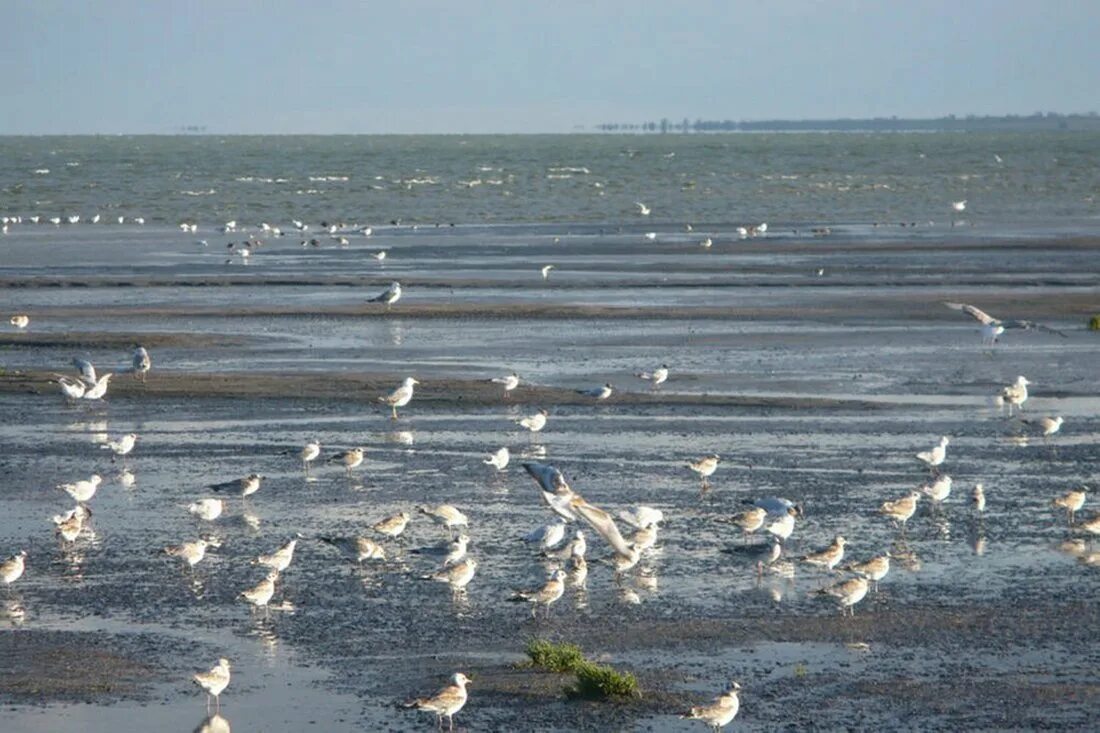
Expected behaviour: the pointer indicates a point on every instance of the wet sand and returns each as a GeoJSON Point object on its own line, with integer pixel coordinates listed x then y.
{"type": "Point", "coordinates": [820, 389]}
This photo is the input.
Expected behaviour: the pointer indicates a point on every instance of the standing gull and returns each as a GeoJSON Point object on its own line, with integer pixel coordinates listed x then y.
{"type": "Point", "coordinates": [510, 382]}
{"type": "Point", "coordinates": [535, 422]}
{"type": "Point", "coordinates": [446, 702]}
{"type": "Point", "coordinates": [499, 459]}
{"type": "Point", "coordinates": [1016, 394]}
{"type": "Point", "coordinates": [83, 490]}
{"type": "Point", "coordinates": [705, 467]}
{"type": "Point", "coordinates": [142, 362]}
{"type": "Point", "coordinates": [599, 393]}
{"type": "Point", "coordinates": [207, 509]}
{"type": "Point", "coordinates": [389, 296]}
{"type": "Point", "coordinates": [656, 377]}
{"type": "Point", "coordinates": [400, 396]}
{"type": "Point", "coordinates": [123, 445]}
{"type": "Point", "coordinates": [719, 713]}
{"type": "Point", "coordinates": [936, 456]}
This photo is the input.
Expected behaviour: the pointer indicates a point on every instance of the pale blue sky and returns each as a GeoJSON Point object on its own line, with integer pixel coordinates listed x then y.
{"type": "Point", "coordinates": [111, 66]}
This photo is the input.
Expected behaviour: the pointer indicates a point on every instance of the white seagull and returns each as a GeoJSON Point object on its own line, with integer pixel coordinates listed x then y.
{"type": "Point", "coordinates": [98, 391]}
{"type": "Point", "coordinates": [642, 208]}
{"type": "Point", "coordinates": [389, 296]}
{"type": "Point", "coordinates": [499, 459]}
{"type": "Point", "coordinates": [546, 271]}
{"type": "Point", "coordinates": [510, 382]}
{"type": "Point", "coordinates": [535, 422]}
{"type": "Point", "coordinates": [400, 396]}
{"type": "Point", "coordinates": [994, 327]}
{"type": "Point", "coordinates": [142, 362]}
{"type": "Point", "coordinates": [656, 377]}
{"type": "Point", "coordinates": [599, 393]}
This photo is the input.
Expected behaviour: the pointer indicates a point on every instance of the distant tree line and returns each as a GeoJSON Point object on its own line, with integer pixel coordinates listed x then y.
{"type": "Point", "coordinates": [973, 123]}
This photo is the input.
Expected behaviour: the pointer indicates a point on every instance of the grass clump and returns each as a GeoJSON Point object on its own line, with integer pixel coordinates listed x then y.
{"type": "Point", "coordinates": [594, 681]}
{"type": "Point", "coordinates": [600, 682]}
{"type": "Point", "coordinates": [555, 657]}
{"type": "Point", "coordinates": [1094, 323]}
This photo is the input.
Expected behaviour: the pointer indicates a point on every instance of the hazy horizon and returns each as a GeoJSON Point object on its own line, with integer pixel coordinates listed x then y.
{"type": "Point", "coordinates": [495, 67]}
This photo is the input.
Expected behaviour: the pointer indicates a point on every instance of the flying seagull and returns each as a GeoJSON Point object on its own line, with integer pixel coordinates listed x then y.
{"type": "Point", "coordinates": [994, 327]}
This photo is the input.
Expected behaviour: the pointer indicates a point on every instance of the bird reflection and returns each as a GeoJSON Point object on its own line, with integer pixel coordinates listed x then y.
{"type": "Point", "coordinates": [396, 333]}
{"type": "Point", "coordinates": [905, 556]}
{"type": "Point", "coordinates": [264, 630]}
{"type": "Point", "coordinates": [534, 451]}
{"type": "Point", "coordinates": [401, 437]}
{"type": "Point", "coordinates": [214, 724]}
{"type": "Point", "coordinates": [13, 612]}
{"type": "Point", "coordinates": [127, 479]}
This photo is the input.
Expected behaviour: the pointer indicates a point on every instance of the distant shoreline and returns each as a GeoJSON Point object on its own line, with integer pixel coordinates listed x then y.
{"type": "Point", "coordinates": [1038, 122]}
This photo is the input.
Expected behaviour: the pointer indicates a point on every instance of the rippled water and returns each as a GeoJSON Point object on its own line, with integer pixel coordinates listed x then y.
{"type": "Point", "coordinates": [1035, 178]}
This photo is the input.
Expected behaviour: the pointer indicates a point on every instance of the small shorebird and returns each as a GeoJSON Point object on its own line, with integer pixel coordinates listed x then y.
{"type": "Point", "coordinates": [830, 556]}
{"type": "Point", "coordinates": [705, 467]}
{"type": "Point", "coordinates": [309, 454]}
{"type": "Point", "coordinates": [389, 296]}
{"type": "Point", "coordinates": [576, 546]}
{"type": "Point", "coordinates": [499, 459]}
{"type": "Point", "coordinates": [706, 243]}
{"type": "Point", "coordinates": [578, 570]}
{"type": "Point", "coordinates": [20, 320]}
{"type": "Point", "coordinates": [847, 593]}
{"type": "Point", "coordinates": [901, 509]}
{"type": "Point", "coordinates": [938, 490]}
{"type": "Point", "coordinates": [351, 459]}
{"type": "Point", "coordinates": [445, 516]}
{"type": "Point", "coordinates": [214, 682]}
{"type": "Point", "coordinates": [874, 569]}
{"type": "Point", "coordinates": [360, 549]}
{"type": "Point", "coordinates": [1015, 394]}
{"type": "Point", "coordinates": [280, 559]}
{"type": "Point", "coordinates": [936, 456]}
{"type": "Point", "coordinates": [642, 208]}
{"type": "Point", "coordinates": [192, 553]}
{"type": "Point", "coordinates": [719, 713]}
{"type": "Point", "coordinates": [977, 499]}
{"type": "Point", "coordinates": [246, 486]}
{"type": "Point", "coordinates": [545, 270]}
{"type": "Point", "coordinates": [380, 255]}
{"type": "Point", "coordinates": [71, 523]}
{"type": "Point", "coordinates": [400, 396]}
{"type": "Point", "coordinates": [260, 594]}
{"type": "Point", "coordinates": [207, 509]}
{"type": "Point", "coordinates": [599, 393]}
{"type": "Point", "coordinates": [123, 445]}
{"type": "Point", "coordinates": [535, 422]}
{"type": "Point", "coordinates": [458, 576]}
{"type": "Point", "coordinates": [12, 569]}
{"type": "Point", "coordinates": [749, 520]}
{"type": "Point", "coordinates": [446, 702]}
{"type": "Point", "coordinates": [142, 362]}
{"type": "Point", "coordinates": [1071, 501]}
{"type": "Point", "coordinates": [392, 526]}
{"type": "Point", "coordinates": [545, 596]}
{"type": "Point", "coordinates": [83, 490]}
{"type": "Point", "coordinates": [959, 205]}
{"type": "Point", "coordinates": [656, 377]}
{"type": "Point", "coordinates": [1048, 426]}
{"type": "Point", "coordinates": [510, 382]}
{"type": "Point", "coordinates": [1091, 525]}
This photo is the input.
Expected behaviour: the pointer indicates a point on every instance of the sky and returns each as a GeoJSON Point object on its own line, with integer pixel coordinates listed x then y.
{"type": "Point", "coordinates": [485, 66]}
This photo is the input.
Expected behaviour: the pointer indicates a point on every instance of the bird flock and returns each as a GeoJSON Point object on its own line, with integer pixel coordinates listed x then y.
{"type": "Point", "coordinates": [629, 535]}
